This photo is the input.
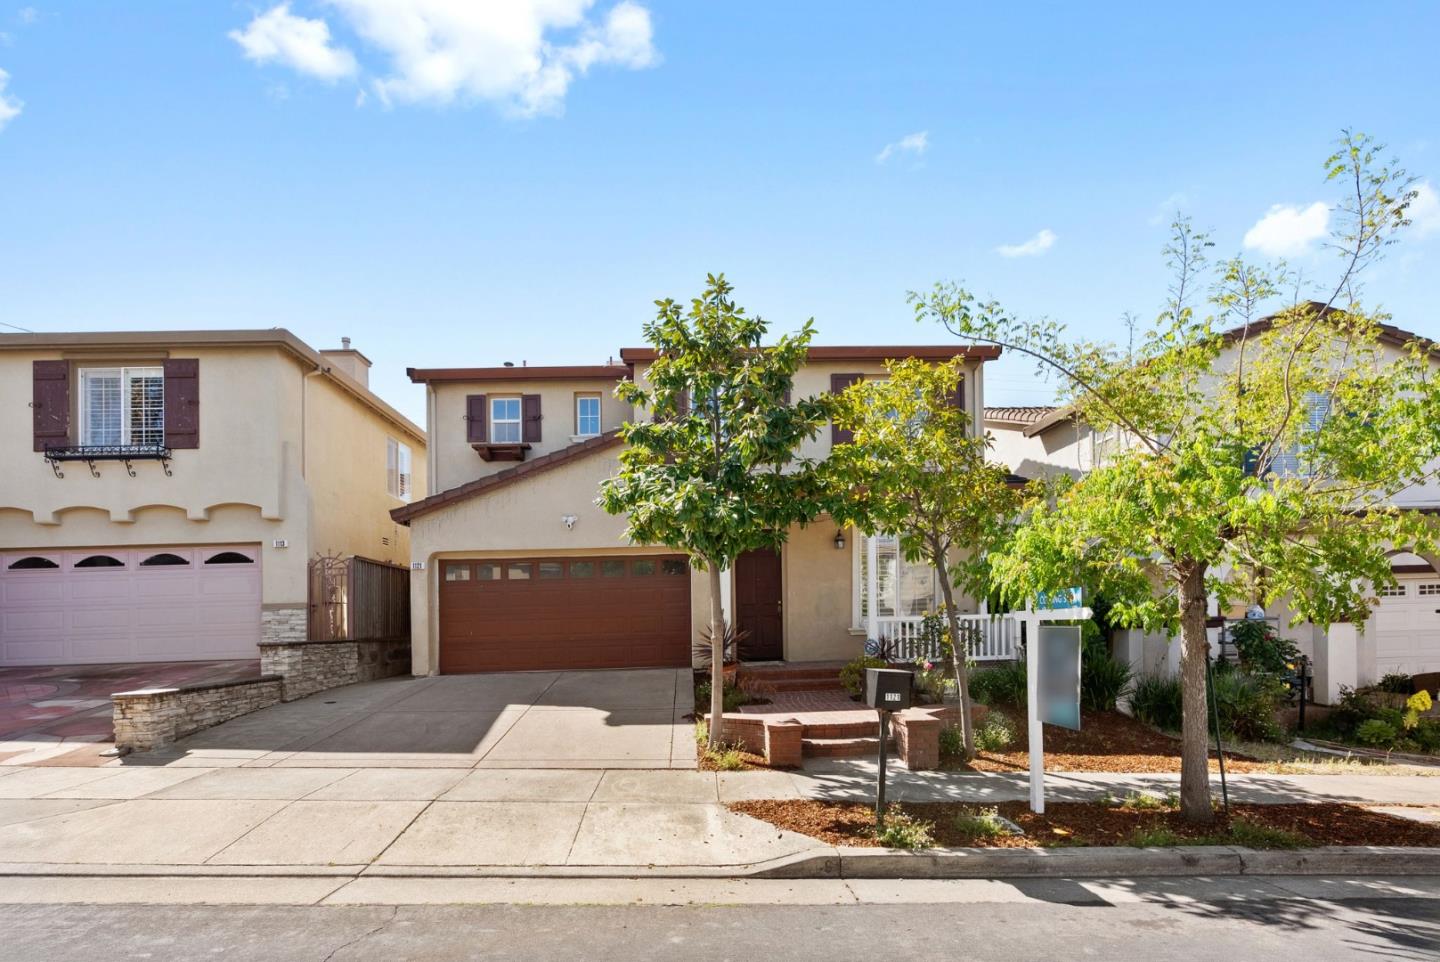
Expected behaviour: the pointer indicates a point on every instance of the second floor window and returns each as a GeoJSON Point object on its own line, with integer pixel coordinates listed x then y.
{"type": "Point", "coordinates": [505, 420]}
{"type": "Point", "coordinates": [587, 415]}
{"type": "Point", "coordinates": [397, 469]}
{"type": "Point", "coordinates": [122, 405]}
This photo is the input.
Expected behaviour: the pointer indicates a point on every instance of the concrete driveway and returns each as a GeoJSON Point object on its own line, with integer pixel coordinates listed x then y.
{"type": "Point", "coordinates": [530, 720]}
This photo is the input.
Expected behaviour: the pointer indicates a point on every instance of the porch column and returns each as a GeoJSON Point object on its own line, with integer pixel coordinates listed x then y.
{"type": "Point", "coordinates": [1336, 662]}
{"type": "Point", "coordinates": [872, 588]}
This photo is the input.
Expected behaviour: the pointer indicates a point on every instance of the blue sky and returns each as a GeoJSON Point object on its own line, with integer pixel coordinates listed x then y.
{"type": "Point", "coordinates": [462, 183]}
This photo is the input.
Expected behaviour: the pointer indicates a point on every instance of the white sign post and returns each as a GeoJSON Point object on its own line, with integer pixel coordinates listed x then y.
{"type": "Point", "coordinates": [1032, 620]}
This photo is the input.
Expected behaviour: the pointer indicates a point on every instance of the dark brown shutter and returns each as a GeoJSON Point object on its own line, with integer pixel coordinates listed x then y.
{"type": "Point", "coordinates": [51, 403]}
{"type": "Point", "coordinates": [476, 417]}
{"type": "Point", "coordinates": [682, 403]}
{"type": "Point", "coordinates": [838, 383]}
{"type": "Point", "coordinates": [182, 403]}
{"type": "Point", "coordinates": [530, 418]}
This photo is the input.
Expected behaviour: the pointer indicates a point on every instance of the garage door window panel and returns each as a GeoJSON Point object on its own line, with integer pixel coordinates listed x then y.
{"type": "Point", "coordinates": [163, 560]}
{"type": "Point", "coordinates": [552, 570]}
{"type": "Point", "coordinates": [100, 561]}
{"type": "Point", "coordinates": [642, 569]}
{"type": "Point", "coordinates": [487, 572]}
{"type": "Point", "coordinates": [518, 571]}
{"type": "Point", "coordinates": [32, 563]}
{"type": "Point", "coordinates": [582, 569]}
{"type": "Point", "coordinates": [229, 558]}
{"type": "Point", "coordinates": [457, 572]}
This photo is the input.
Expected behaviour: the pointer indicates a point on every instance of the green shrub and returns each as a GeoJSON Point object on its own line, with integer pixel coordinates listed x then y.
{"type": "Point", "coordinates": [733, 697]}
{"type": "Point", "coordinates": [1247, 703]}
{"type": "Point", "coordinates": [1155, 700]}
{"type": "Point", "coordinates": [952, 741]}
{"type": "Point", "coordinates": [1376, 733]}
{"type": "Point", "coordinates": [1103, 679]}
{"type": "Point", "coordinates": [1144, 802]}
{"type": "Point", "coordinates": [852, 676]}
{"type": "Point", "coordinates": [996, 734]}
{"type": "Point", "coordinates": [1261, 649]}
{"type": "Point", "coordinates": [1156, 837]}
{"type": "Point", "coordinates": [903, 831]}
{"type": "Point", "coordinates": [727, 758]}
{"type": "Point", "coordinates": [1253, 835]}
{"type": "Point", "coordinates": [1397, 683]}
{"type": "Point", "coordinates": [978, 822]}
{"type": "Point", "coordinates": [1004, 684]}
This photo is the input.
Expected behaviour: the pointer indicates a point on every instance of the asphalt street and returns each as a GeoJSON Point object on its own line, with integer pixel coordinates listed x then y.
{"type": "Point", "coordinates": [1192, 920]}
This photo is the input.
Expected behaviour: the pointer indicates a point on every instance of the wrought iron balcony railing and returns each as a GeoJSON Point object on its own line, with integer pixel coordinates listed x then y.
{"type": "Point", "coordinates": [91, 453]}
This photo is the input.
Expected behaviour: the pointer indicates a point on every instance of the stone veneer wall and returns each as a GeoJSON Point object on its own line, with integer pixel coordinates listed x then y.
{"type": "Point", "coordinates": [284, 623]}
{"type": "Point", "coordinates": [153, 717]}
{"type": "Point", "coordinates": [311, 666]}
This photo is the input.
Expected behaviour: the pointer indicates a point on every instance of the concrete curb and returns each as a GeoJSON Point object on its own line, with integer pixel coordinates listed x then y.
{"type": "Point", "coordinates": [856, 863]}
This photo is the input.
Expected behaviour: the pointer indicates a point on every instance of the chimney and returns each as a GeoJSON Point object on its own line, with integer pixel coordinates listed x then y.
{"type": "Point", "coordinates": [349, 360]}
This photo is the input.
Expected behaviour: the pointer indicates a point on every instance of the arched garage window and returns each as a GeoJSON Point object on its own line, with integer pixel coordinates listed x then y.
{"type": "Point", "coordinates": [228, 558]}
{"type": "Point", "coordinates": [32, 563]}
{"type": "Point", "coordinates": [162, 559]}
{"type": "Point", "coordinates": [100, 561]}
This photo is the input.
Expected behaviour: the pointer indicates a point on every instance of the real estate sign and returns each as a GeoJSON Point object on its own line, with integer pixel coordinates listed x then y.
{"type": "Point", "coordinates": [1059, 664]}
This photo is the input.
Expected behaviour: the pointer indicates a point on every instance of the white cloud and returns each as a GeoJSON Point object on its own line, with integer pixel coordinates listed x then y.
{"type": "Point", "coordinates": [1424, 210]}
{"type": "Point", "coordinates": [1287, 230]}
{"type": "Point", "coordinates": [916, 144]}
{"type": "Point", "coordinates": [523, 54]}
{"type": "Point", "coordinates": [1033, 247]}
{"type": "Point", "coordinates": [10, 106]}
{"type": "Point", "coordinates": [1168, 208]}
{"type": "Point", "coordinates": [279, 36]}
{"type": "Point", "coordinates": [28, 15]}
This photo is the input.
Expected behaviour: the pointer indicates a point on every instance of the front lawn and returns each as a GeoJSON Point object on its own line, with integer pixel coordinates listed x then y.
{"type": "Point", "coordinates": [1139, 821]}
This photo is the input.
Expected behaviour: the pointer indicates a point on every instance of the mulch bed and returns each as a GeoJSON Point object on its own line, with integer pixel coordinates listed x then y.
{"type": "Point", "coordinates": [1107, 742]}
{"type": "Point", "coordinates": [1092, 823]}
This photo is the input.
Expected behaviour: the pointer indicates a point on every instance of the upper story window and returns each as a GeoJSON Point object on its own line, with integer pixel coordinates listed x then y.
{"type": "Point", "coordinates": [397, 469]}
{"type": "Point", "coordinates": [505, 420]}
{"type": "Point", "coordinates": [587, 415]}
{"type": "Point", "coordinates": [1292, 462]}
{"type": "Point", "coordinates": [122, 405]}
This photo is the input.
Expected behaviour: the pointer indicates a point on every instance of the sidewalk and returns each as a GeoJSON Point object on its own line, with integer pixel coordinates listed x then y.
{"type": "Point", "coordinates": [336, 821]}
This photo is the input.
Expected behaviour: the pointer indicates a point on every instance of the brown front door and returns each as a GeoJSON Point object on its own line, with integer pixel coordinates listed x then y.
{"type": "Point", "coordinates": [757, 605]}
{"type": "Point", "coordinates": [524, 614]}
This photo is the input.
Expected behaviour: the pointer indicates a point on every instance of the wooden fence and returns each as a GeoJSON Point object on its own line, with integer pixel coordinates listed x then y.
{"type": "Point", "coordinates": [358, 599]}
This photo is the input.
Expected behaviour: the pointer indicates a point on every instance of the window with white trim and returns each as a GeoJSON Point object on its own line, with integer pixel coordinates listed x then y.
{"type": "Point", "coordinates": [587, 415]}
{"type": "Point", "coordinates": [397, 469]}
{"type": "Point", "coordinates": [122, 405]}
{"type": "Point", "coordinates": [504, 420]}
{"type": "Point", "coordinates": [904, 589]}
{"type": "Point", "coordinates": [1393, 591]}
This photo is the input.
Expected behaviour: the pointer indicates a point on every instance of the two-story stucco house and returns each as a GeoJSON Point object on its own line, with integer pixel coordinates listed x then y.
{"type": "Point", "coordinates": [162, 492]}
{"type": "Point", "coordinates": [1402, 633]}
{"type": "Point", "coordinates": [522, 570]}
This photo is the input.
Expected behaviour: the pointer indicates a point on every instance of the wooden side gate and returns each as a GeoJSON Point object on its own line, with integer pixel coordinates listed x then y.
{"type": "Point", "coordinates": [358, 599]}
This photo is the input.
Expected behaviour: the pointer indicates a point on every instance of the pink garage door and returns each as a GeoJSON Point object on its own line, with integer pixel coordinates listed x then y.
{"type": "Point", "coordinates": [102, 605]}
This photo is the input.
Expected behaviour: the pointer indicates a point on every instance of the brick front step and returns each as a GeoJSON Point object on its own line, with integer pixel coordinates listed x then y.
{"type": "Point", "coordinates": [791, 684]}
{"type": "Point", "coordinates": [841, 747]}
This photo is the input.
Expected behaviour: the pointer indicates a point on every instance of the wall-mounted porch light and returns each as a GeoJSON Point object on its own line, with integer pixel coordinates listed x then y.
{"type": "Point", "coordinates": [839, 540]}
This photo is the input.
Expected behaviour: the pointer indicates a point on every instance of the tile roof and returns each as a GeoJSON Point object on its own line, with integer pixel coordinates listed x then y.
{"type": "Point", "coordinates": [1025, 414]}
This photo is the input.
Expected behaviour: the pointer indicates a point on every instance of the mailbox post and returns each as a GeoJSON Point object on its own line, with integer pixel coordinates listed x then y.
{"type": "Point", "coordinates": [887, 690]}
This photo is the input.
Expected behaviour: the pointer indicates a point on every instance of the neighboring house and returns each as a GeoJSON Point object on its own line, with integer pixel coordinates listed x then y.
{"type": "Point", "coordinates": [164, 491]}
{"type": "Point", "coordinates": [520, 569]}
{"type": "Point", "coordinates": [1403, 631]}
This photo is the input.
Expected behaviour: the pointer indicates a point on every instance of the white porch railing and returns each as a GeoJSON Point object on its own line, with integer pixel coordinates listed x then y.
{"type": "Point", "coordinates": [988, 637]}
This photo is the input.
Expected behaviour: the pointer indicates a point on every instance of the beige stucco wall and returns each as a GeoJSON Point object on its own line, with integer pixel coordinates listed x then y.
{"type": "Point", "coordinates": [1065, 449]}
{"type": "Point", "coordinates": [245, 484]}
{"type": "Point", "coordinates": [817, 581]}
{"type": "Point", "coordinates": [455, 462]}
{"type": "Point", "coordinates": [345, 471]}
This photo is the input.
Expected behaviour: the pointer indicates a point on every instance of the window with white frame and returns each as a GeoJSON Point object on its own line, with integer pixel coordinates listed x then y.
{"type": "Point", "coordinates": [904, 589]}
{"type": "Point", "coordinates": [397, 469]}
{"type": "Point", "coordinates": [122, 405]}
{"type": "Point", "coordinates": [505, 420]}
{"type": "Point", "coordinates": [1292, 462]}
{"type": "Point", "coordinates": [587, 415]}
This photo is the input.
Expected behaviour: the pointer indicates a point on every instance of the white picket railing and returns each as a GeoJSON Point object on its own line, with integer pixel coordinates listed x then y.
{"type": "Point", "coordinates": [989, 637]}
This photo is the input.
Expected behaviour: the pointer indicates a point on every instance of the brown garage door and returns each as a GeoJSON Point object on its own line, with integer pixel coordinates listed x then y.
{"type": "Point", "coordinates": [549, 613]}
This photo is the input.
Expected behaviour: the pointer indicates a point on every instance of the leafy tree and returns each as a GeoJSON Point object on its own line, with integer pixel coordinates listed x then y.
{"type": "Point", "coordinates": [915, 469]}
{"type": "Point", "coordinates": [1252, 458]}
{"type": "Point", "coordinates": [714, 473]}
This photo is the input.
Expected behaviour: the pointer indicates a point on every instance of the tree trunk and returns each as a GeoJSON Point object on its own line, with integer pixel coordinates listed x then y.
{"type": "Point", "coordinates": [1195, 802]}
{"type": "Point", "coordinates": [958, 656]}
{"type": "Point", "coordinates": [717, 657]}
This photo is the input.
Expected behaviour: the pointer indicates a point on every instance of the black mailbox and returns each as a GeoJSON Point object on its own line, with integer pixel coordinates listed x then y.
{"type": "Point", "coordinates": [888, 689]}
